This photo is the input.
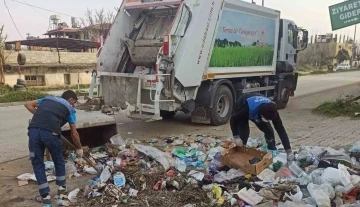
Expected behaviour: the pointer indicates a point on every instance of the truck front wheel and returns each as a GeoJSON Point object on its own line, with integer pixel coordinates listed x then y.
{"type": "Point", "coordinates": [284, 98]}
{"type": "Point", "coordinates": [223, 106]}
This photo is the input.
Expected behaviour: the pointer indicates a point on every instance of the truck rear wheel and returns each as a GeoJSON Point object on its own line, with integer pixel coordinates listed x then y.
{"type": "Point", "coordinates": [223, 106]}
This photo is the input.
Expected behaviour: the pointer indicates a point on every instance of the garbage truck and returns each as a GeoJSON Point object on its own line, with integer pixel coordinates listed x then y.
{"type": "Point", "coordinates": [196, 56]}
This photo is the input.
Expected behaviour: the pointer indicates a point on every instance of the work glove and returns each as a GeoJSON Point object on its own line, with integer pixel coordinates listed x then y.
{"type": "Point", "coordinates": [79, 153]}
{"type": "Point", "coordinates": [290, 156]}
{"type": "Point", "coordinates": [237, 141]}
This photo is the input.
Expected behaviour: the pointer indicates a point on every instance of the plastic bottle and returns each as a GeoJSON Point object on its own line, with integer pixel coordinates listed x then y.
{"type": "Point", "coordinates": [338, 202]}
{"type": "Point", "coordinates": [105, 175]}
{"type": "Point", "coordinates": [296, 170]}
{"type": "Point", "coordinates": [119, 179]}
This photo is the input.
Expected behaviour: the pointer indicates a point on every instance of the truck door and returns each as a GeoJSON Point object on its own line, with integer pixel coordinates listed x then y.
{"type": "Point", "coordinates": [288, 42]}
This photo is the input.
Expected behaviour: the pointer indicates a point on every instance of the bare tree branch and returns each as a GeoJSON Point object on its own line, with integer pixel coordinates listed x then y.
{"type": "Point", "coordinates": [96, 23]}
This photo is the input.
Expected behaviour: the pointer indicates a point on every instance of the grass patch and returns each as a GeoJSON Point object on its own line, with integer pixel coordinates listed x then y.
{"type": "Point", "coordinates": [20, 96]}
{"type": "Point", "coordinates": [5, 89]}
{"type": "Point", "coordinates": [241, 56]}
{"type": "Point", "coordinates": [339, 107]}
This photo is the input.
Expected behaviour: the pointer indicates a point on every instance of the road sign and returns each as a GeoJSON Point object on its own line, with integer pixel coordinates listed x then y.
{"type": "Point", "coordinates": [345, 14]}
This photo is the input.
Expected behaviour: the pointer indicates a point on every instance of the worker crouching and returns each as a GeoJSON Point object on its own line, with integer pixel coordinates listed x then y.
{"type": "Point", "coordinates": [260, 110]}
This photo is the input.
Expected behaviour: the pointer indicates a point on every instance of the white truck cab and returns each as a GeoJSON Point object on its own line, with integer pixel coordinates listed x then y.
{"type": "Point", "coordinates": [196, 56]}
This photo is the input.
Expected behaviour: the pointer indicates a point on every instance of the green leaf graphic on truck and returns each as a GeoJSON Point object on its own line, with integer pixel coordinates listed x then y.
{"type": "Point", "coordinates": [243, 40]}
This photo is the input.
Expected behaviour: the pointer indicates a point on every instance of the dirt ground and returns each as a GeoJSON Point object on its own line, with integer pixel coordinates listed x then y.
{"type": "Point", "coordinates": [303, 127]}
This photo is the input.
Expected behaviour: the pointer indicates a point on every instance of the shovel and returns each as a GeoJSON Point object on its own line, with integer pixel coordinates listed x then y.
{"type": "Point", "coordinates": [84, 157]}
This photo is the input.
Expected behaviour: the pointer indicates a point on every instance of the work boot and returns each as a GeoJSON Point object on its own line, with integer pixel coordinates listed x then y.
{"type": "Point", "coordinates": [62, 190]}
{"type": "Point", "coordinates": [43, 200]}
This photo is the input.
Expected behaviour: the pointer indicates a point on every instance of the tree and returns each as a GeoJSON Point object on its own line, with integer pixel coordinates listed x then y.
{"type": "Point", "coordinates": [96, 23]}
{"type": "Point", "coordinates": [318, 54]}
{"type": "Point", "coordinates": [342, 56]}
{"type": "Point", "coordinates": [2, 54]}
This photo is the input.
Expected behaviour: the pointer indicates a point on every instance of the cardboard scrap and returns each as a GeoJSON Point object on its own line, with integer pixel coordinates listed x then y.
{"type": "Point", "coordinates": [22, 182]}
{"type": "Point", "coordinates": [249, 196]}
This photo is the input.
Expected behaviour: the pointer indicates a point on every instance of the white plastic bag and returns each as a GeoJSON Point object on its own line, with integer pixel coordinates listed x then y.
{"type": "Point", "coordinates": [73, 194]}
{"type": "Point", "coordinates": [180, 165]}
{"type": "Point", "coordinates": [316, 176]}
{"type": "Point", "coordinates": [331, 176]}
{"type": "Point", "coordinates": [165, 159]}
{"type": "Point", "coordinates": [295, 197]}
{"type": "Point", "coordinates": [321, 194]}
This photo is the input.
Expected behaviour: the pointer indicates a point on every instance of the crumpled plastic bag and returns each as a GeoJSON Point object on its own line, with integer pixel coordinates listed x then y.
{"type": "Point", "coordinates": [163, 158]}
{"type": "Point", "coordinates": [117, 140]}
{"type": "Point", "coordinates": [355, 148]}
{"type": "Point", "coordinates": [49, 165]}
{"type": "Point", "coordinates": [70, 168]}
{"type": "Point", "coordinates": [276, 192]}
{"type": "Point", "coordinates": [295, 197]}
{"type": "Point", "coordinates": [229, 175]}
{"type": "Point", "coordinates": [31, 176]}
{"type": "Point", "coordinates": [322, 194]}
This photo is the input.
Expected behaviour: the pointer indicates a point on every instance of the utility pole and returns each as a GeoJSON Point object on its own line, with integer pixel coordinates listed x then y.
{"type": "Point", "coordinates": [263, 2]}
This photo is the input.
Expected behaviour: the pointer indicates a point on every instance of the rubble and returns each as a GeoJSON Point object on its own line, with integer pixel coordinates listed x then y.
{"type": "Point", "coordinates": [190, 171]}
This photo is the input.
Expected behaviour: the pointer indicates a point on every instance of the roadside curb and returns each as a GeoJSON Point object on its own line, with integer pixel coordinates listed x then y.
{"type": "Point", "coordinates": [11, 104]}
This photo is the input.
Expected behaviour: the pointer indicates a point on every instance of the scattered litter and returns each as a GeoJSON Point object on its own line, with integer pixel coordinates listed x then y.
{"type": "Point", "coordinates": [267, 175]}
{"type": "Point", "coordinates": [49, 165]}
{"type": "Point", "coordinates": [165, 159]}
{"type": "Point", "coordinates": [31, 176]}
{"type": "Point", "coordinates": [198, 170]}
{"type": "Point", "coordinates": [73, 194]}
{"type": "Point", "coordinates": [249, 196]}
{"type": "Point", "coordinates": [119, 179]}
{"type": "Point", "coordinates": [117, 140]}
{"type": "Point", "coordinates": [199, 176]}
{"type": "Point", "coordinates": [90, 170]}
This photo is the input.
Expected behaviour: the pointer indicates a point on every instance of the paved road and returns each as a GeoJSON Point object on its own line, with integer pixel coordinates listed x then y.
{"type": "Point", "coordinates": [317, 83]}
{"type": "Point", "coordinates": [14, 119]}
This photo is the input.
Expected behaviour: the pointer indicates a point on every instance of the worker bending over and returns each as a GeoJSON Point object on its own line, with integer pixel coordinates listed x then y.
{"type": "Point", "coordinates": [259, 109]}
{"type": "Point", "coordinates": [50, 114]}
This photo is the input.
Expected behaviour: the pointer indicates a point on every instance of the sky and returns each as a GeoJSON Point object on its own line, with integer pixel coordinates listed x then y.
{"type": "Point", "coordinates": [246, 31]}
{"type": "Point", "coordinates": [310, 14]}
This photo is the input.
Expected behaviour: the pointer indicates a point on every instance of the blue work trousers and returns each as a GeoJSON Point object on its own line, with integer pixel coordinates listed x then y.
{"type": "Point", "coordinates": [39, 139]}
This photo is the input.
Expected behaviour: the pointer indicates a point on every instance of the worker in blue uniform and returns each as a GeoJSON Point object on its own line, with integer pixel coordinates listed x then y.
{"type": "Point", "coordinates": [260, 110]}
{"type": "Point", "coordinates": [50, 114]}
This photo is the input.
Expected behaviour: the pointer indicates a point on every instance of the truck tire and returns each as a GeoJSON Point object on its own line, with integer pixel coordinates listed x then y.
{"type": "Point", "coordinates": [284, 98]}
{"type": "Point", "coordinates": [19, 88]}
{"type": "Point", "coordinates": [21, 59]}
{"type": "Point", "coordinates": [21, 82]}
{"type": "Point", "coordinates": [167, 114]}
{"type": "Point", "coordinates": [8, 68]}
{"type": "Point", "coordinates": [223, 106]}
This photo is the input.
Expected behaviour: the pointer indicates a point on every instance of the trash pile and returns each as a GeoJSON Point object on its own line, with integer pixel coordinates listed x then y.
{"type": "Point", "coordinates": [198, 170]}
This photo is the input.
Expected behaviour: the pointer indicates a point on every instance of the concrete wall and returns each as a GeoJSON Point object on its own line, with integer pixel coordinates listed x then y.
{"type": "Point", "coordinates": [54, 76]}
{"type": "Point", "coordinates": [48, 57]}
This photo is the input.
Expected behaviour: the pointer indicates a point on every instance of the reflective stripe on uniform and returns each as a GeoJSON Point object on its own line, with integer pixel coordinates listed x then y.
{"type": "Point", "coordinates": [60, 178]}
{"type": "Point", "coordinates": [45, 185]}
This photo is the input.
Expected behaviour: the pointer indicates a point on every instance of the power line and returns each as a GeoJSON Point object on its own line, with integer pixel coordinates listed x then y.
{"type": "Point", "coordinates": [41, 8]}
{"type": "Point", "coordinates": [13, 20]}
{"type": "Point", "coordinates": [36, 10]}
